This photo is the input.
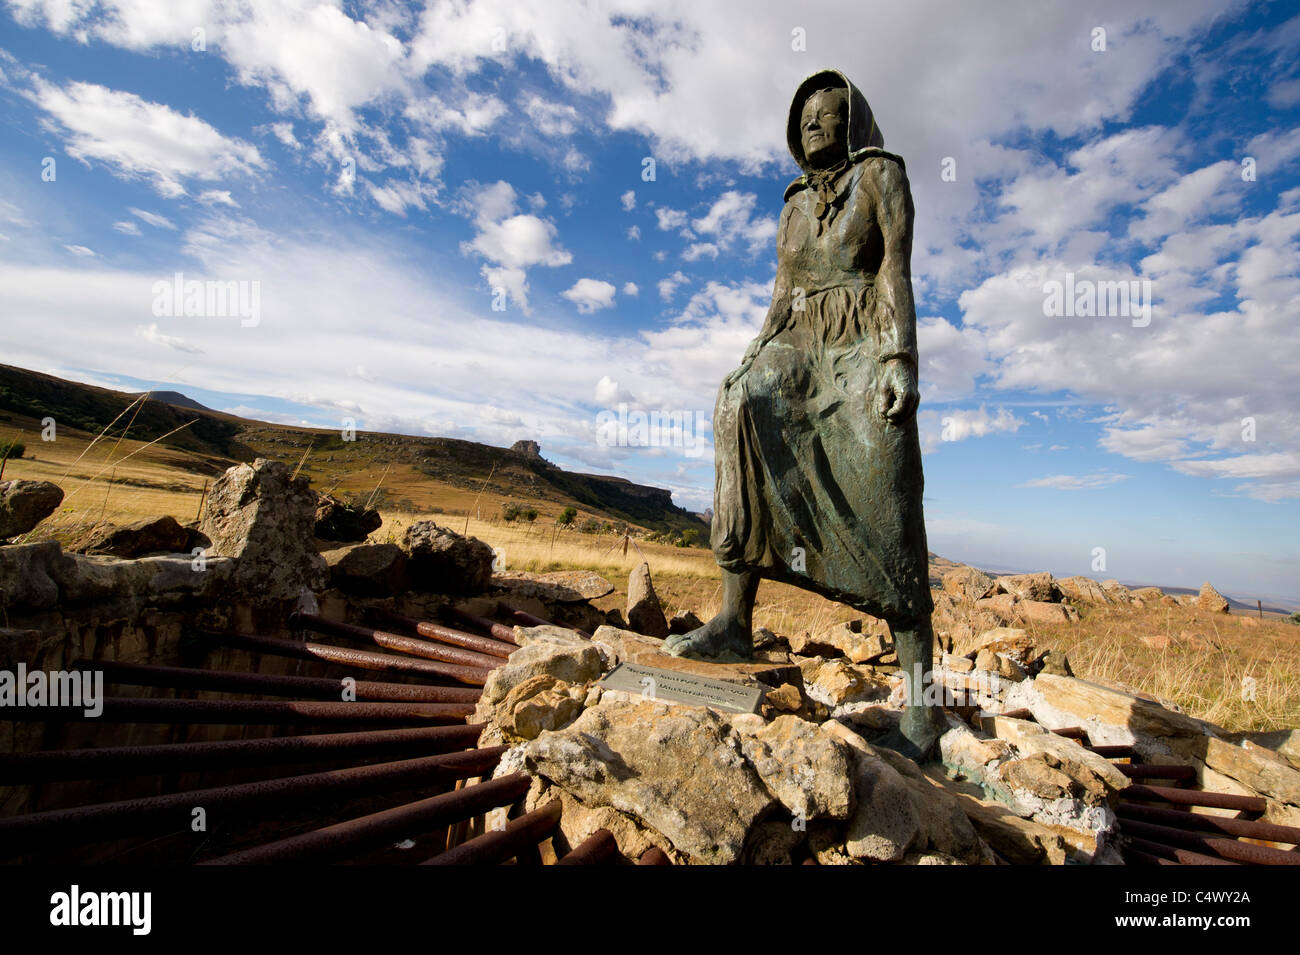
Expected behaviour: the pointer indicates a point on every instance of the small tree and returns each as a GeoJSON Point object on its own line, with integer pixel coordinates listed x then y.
{"type": "Point", "coordinates": [566, 516]}
{"type": "Point", "coordinates": [528, 514]}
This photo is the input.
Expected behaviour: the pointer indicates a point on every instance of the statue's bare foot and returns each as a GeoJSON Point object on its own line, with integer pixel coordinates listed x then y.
{"type": "Point", "coordinates": [917, 734]}
{"type": "Point", "coordinates": [720, 636]}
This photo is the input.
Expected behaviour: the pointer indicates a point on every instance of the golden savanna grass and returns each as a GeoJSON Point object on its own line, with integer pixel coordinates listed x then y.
{"type": "Point", "coordinates": [124, 480]}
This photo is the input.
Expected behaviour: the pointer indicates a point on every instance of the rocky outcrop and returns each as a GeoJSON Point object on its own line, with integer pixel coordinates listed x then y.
{"type": "Point", "coordinates": [24, 504]}
{"type": "Point", "coordinates": [1210, 600]}
{"type": "Point", "coordinates": [631, 757]}
{"type": "Point", "coordinates": [562, 586]}
{"type": "Point", "coordinates": [863, 640]}
{"type": "Point", "coordinates": [443, 561]}
{"type": "Point", "coordinates": [368, 570]}
{"type": "Point", "coordinates": [156, 535]}
{"type": "Point", "coordinates": [337, 520]}
{"type": "Point", "coordinates": [645, 614]}
{"type": "Point", "coordinates": [35, 577]}
{"type": "Point", "coordinates": [265, 517]}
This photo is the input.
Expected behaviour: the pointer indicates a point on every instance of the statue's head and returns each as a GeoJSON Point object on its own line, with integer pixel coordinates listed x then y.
{"type": "Point", "coordinates": [823, 127]}
{"type": "Point", "coordinates": [829, 119]}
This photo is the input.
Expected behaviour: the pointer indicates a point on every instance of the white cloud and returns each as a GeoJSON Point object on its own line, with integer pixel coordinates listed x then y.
{"type": "Point", "coordinates": [139, 138]}
{"type": "Point", "coordinates": [152, 218]}
{"type": "Point", "coordinates": [668, 285]}
{"type": "Point", "coordinates": [628, 199]}
{"type": "Point", "coordinates": [670, 219]}
{"type": "Point", "coordinates": [590, 295]}
{"type": "Point", "coordinates": [150, 333]}
{"type": "Point", "coordinates": [217, 197]}
{"type": "Point", "coordinates": [698, 250]}
{"type": "Point", "coordinates": [512, 243]}
{"type": "Point", "coordinates": [127, 228]}
{"type": "Point", "coordinates": [1076, 482]}
{"type": "Point", "coordinates": [634, 233]}
{"type": "Point", "coordinates": [631, 289]}
{"type": "Point", "coordinates": [731, 217]}
{"type": "Point", "coordinates": [80, 250]}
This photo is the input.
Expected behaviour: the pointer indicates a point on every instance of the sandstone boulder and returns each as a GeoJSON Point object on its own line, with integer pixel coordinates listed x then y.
{"type": "Point", "coordinates": [898, 810]}
{"type": "Point", "coordinates": [368, 570]}
{"type": "Point", "coordinates": [838, 683]}
{"type": "Point", "coordinates": [805, 769]}
{"type": "Point", "coordinates": [967, 583]}
{"type": "Point", "coordinates": [337, 520]}
{"type": "Point", "coordinates": [1041, 611]}
{"type": "Point", "coordinates": [677, 770]}
{"type": "Point", "coordinates": [644, 612]}
{"type": "Point", "coordinates": [1040, 586]}
{"type": "Point", "coordinates": [24, 504]}
{"type": "Point", "coordinates": [1210, 600]}
{"type": "Point", "coordinates": [442, 561]}
{"type": "Point", "coordinates": [562, 586]}
{"type": "Point", "coordinates": [572, 664]}
{"type": "Point", "coordinates": [860, 641]}
{"type": "Point", "coordinates": [684, 621]}
{"type": "Point", "coordinates": [263, 516]}
{"type": "Point", "coordinates": [1083, 590]}
{"type": "Point", "coordinates": [156, 535]}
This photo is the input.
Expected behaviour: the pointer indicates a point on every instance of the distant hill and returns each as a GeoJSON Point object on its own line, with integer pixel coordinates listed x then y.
{"type": "Point", "coordinates": [216, 440]}
{"type": "Point", "coordinates": [179, 400]}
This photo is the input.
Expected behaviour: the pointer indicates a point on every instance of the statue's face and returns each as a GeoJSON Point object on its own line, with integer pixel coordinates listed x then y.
{"type": "Point", "coordinates": [823, 129]}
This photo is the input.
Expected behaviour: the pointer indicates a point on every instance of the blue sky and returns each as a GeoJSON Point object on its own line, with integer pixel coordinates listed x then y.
{"type": "Point", "coordinates": [386, 173]}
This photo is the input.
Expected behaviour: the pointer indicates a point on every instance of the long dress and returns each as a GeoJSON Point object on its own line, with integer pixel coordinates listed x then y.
{"type": "Point", "coordinates": [814, 486]}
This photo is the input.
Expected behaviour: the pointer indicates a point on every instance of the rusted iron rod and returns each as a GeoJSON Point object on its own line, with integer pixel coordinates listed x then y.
{"type": "Point", "coordinates": [498, 630]}
{"type": "Point", "coordinates": [1020, 713]}
{"type": "Point", "coordinates": [493, 848]}
{"type": "Point", "coordinates": [1193, 797]}
{"type": "Point", "coordinates": [134, 710]}
{"type": "Point", "coordinates": [395, 641]}
{"type": "Point", "coordinates": [380, 828]}
{"type": "Point", "coordinates": [1211, 845]}
{"type": "Point", "coordinates": [1114, 752]}
{"type": "Point", "coordinates": [448, 635]}
{"type": "Point", "coordinates": [528, 620]}
{"type": "Point", "coordinates": [1174, 854]}
{"type": "Point", "coordinates": [597, 849]}
{"type": "Point", "coordinates": [1138, 857]}
{"type": "Point", "coordinates": [1071, 732]}
{"type": "Point", "coordinates": [346, 656]}
{"type": "Point", "coordinates": [173, 812]}
{"type": "Point", "coordinates": [50, 765]}
{"type": "Point", "coordinates": [181, 678]}
{"type": "Point", "coordinates": [1156, 771]}
{"type": "Point", "coordinates": [1204, 822]}
{"type": "Point", "coordinates": [656, 856]}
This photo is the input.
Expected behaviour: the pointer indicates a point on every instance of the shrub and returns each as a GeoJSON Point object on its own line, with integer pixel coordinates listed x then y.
{"type": "Point", "coordinates": [13, 450]}
{"type": "Point", "coordinates": [566, 516]}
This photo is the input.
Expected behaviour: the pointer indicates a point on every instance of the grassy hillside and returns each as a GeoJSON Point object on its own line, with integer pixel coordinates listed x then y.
{"type": "Point", "coordinates": [394, 472]}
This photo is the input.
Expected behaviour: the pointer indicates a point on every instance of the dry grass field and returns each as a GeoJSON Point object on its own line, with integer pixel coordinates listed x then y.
{"type": "Point", "coordinates": [1202, 668]}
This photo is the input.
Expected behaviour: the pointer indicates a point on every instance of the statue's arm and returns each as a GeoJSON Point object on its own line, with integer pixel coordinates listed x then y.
{"type": "Point", "coordinates": [896, 313]}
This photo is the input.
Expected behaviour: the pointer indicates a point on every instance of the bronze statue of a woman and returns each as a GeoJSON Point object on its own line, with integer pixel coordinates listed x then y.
{"type": "Point", "coordinates": [818, 461]}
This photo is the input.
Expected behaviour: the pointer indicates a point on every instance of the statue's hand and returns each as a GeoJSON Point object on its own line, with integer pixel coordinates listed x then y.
{"type": "Point", "coordinates": [897, 392]}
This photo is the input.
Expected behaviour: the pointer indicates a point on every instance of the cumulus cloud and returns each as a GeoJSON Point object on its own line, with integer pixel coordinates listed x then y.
{"type": "Point", "coordinates": [590, 295]}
